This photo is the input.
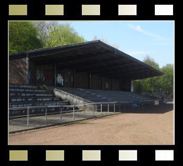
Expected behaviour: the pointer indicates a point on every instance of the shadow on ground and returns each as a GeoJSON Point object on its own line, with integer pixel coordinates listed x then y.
{"type": "Point", "coordinates": [159, 109]}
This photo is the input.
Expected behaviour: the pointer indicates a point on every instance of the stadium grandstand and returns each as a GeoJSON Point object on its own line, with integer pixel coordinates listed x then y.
{"type": "Point", "coordinates": [89, 72]}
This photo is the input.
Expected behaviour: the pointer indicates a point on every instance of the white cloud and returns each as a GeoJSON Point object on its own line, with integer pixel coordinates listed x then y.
{"type": "Point", "coordinates": [139, 29]}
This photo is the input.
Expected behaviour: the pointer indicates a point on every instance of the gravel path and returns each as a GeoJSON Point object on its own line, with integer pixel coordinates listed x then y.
{"type": "Point", "coordinates": [151, 126]}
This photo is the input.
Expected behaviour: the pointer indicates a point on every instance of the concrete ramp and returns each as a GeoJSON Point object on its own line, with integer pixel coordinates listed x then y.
{"type": "Point", "coordinates": [92, 95]}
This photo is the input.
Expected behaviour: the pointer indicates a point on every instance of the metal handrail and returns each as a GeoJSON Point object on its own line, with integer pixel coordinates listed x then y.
{"type": "Point", "coordinates": [62, 106]}
{"type": "Point", "coordinates": [28, 108]}
{"type": "Point", "coordinates": [76, 105]}
{"type": "Point", "coordinates": [73, 111]}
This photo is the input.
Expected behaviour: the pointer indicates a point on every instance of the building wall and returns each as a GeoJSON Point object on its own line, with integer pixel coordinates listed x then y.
{"type": "Point", "coordinates": [82, 80]}
{"type": "Point", "coordinates": [125, 84]}
{"type": "Point", "coordinates": [46, 74]}
{"type": "Point", "coordinates": [18, 71]}
{"type": "Point", "coordinates": [32, 72]}
{"type": "Point", "coordinates": [115, 84]}
{"type": "Point", "coordinates": [106, 83]}
{"type": "Point", "coordinates": [64, 78]}
{"type": "Point", "coordinates": [95, 81]}
{"type": "Point", "coordinates": [43, 75]}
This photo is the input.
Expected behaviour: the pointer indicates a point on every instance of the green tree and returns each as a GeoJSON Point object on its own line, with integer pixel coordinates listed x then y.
{"type": "Point", "coordinates": [62, 34]}
{"type": "Point", "coordinates": [167, 80]}
{"type": "Point", "coordinates": [150, 84]}
{"type": "Point", "coordinates": [150, 61]}
{"type": "Point", "coordinates": [161, 84]}
{"type": "Point", "coordinates": [43, 28]}
{"type": "Point", "coordinates": [137, 85]}
{"type": "Point", "coordinates": [23, 37]}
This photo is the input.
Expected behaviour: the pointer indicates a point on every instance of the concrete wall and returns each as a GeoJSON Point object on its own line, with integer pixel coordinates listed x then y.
{"type": "Point", "coordinates": [125, 84]}
{"type": "Point", "coordinates": [95, 82]}
{"type": "Point", "coordinates": [64, 77]}
{"type": "Point", "coordinates": [74, 100]}
{"type": "Point", "coordinates": [82, 80]}
{"type": "Point", "coordinates": [115, 84]}
{"type": "Point", "coordinates": [45, 74]}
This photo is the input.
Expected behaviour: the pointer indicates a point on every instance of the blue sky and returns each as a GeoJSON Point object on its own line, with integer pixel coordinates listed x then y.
{"type": "Point", "coordinates": [136, 38]}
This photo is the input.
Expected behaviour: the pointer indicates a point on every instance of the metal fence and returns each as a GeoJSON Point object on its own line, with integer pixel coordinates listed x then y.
{"type": "Point", "coordinates": [66, 113]}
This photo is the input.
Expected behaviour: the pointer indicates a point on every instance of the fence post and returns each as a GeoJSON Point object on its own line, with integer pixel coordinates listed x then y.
{"type": "Point", "coordinates": [114, 107]}
{"type": "Point", "coordinates": [73, 113]}
{"type": "Point", "coordinates": [84, 110]}
{"type": "Point", "coordinates": [46, 109]}
{"type": "Point", "coordinates": [142, 105]}
{"type": "Point", "coordinates": [108, 107]}
{"type": "Point", "coordinates": [28, 116]}
{"type": "Point", "coordinates": [93, 110]}
{"type": "Point", "coordinates": [100, 107]}
{"type": "Point", "coordinates": [61, 113]}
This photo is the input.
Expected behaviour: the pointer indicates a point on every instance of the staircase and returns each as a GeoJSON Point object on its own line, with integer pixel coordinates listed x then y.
{"type": "Point", "coordinates": [22, 96]}
{"type": "Point", "coordinates": [105, 95]}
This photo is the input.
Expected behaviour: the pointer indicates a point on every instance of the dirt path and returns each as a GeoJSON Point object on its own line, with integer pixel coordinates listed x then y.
{"type": "Point", "coordinates": [141, 127]}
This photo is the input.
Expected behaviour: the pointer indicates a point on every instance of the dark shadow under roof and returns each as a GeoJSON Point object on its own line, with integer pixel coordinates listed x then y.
{"type": "Point", "coordinates": [94, 56]}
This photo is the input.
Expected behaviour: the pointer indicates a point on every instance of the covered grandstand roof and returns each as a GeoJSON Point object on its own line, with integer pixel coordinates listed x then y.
{"type": "Point", "coordinates": [94, 56]}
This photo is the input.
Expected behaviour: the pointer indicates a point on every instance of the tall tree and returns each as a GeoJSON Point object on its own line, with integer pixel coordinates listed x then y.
{"type": "Point", "coordinates": [62, 34]}
{"type": "Point", "coordinates": [43, 28]}
{"type": "Point", "coordinates": [167, 80]}
{"type": "Point", "coordinates": [23, 37]}
{"type": "Point", "coordinates": [160, 84]}
{"type": "Point", "coordinates": [151, 62]}
{"type": "Point", "coordinates": [32, 35]}
{"type": "Point", "coordinates": [150, 84]}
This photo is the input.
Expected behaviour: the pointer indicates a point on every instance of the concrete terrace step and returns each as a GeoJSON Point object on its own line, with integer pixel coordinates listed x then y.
{"type": "Point", "coordinates": [23, 86]}
{"type": "Point", "coordinates": [28, 98]}
{"type": "Point", "coordinates": [42, 103]}
{"type": "Point", "coordinates": [20, 102]}
{"type": "Point", "coordinates": [36, 91]}
{"type": "Point", "coordinates": [27, 90]}
{"type": "Point", "coordinates": [39, 111]}
{"type": "Point", "coordinates": [104, 95]}
{"type": "Point", "coordinates": [30, 94]}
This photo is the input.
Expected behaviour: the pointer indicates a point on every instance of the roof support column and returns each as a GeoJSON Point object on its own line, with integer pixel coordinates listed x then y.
{"type": "Point", "coordinates": [74, 78]}
{"type": "Point", "coordinates": [101, 82]}
{"type": "Point", "coordinates": [120, 84]}
{"type": "Point", "coordinates": [54, 74]}
{"type": "Point", "coordinates": [131, 89]}
{"type": "Point", "coordinates": [89, 80]}
{"type": "Point", "coordinates": [111, 83]}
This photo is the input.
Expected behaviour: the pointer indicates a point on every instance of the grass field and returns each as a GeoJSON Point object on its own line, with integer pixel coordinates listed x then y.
{"type": "Point", "coordinates": [150, 126]}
